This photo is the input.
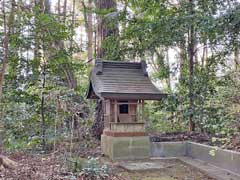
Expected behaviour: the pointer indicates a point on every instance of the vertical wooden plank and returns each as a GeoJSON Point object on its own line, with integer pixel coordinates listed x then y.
{"type": "Point", "coordinates": [115, 111]}
{"type": "Point", "coordinates": [104, 106]}
{"type": "Point", "coordinates": [143, 111]}
{"type": "Point", "coordinates": [104, 113]}
{"type": "Point", "coordinates": [107, 113]}
{"type": "Point", "coordinates": [138, 110]}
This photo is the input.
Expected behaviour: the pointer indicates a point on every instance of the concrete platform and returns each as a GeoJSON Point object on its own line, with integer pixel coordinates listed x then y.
{"type": "Point", "coordinates": [213, 171]}
{"type": "Point", "coordinates": [223, 165]}
{"type": "Point", "coordinates": [225, 159]}
{"type": "Point", "coordinates": [208, 169]}
{"type": "Point", "coordinates": [157, 164]}
{"type": "Point", "coordinates": [145, 166]}
{"type": "Point", "coordinates": [222, 158]}
{"type": "Point", "coordinates": [125, 148]}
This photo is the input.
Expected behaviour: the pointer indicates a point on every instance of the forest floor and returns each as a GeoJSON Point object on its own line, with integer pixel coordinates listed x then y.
{"type": "Point", "coordinates": [44, 167]}
{"type": "Point", "coordinates": [37, 166]}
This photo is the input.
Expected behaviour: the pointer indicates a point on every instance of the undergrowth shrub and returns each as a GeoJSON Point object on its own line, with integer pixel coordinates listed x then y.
{"type": "Point", "coordinates": [89, 168]}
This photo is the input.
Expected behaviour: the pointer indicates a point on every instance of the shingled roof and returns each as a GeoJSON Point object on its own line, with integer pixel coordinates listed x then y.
{"type": "Point", "coordinates": [121, 80]}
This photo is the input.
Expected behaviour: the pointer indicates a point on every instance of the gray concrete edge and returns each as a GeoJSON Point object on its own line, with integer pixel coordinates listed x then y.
{"type": "Point", "coordinates": [224, 159]}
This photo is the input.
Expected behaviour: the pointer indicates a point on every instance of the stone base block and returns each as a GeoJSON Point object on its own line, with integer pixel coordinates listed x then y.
{"type": "Point", "coordinates": [125, 148]}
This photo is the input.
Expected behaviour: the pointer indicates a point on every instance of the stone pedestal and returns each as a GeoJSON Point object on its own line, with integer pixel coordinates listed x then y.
{"type": "Point", "coordinates": [125, 146]}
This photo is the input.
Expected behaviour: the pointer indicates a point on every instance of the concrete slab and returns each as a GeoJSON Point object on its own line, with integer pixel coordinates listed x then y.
{"type": "Point", "coordinates": [208, 169]}
{"type": "Point", "coordinates": [211, 170]}
{"type": "Point", "coordinates": [144, 166]}
{"type": "Point", "coordinates": [222, 158]}
{"type": "Point", "coordinates": [225, 159]}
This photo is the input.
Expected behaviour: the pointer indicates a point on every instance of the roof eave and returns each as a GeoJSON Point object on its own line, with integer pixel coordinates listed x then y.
{"type": "Point", "coordinates": [91, 92]}
{"type": "Point", "coordinates": [133, 96]}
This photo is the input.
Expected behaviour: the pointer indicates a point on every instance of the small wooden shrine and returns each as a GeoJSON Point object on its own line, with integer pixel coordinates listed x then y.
{"type": "Point", "coordinates": [123, 88]}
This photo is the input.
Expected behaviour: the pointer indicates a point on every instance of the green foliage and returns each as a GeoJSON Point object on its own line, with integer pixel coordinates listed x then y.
{"type": "Point", "coordinates": [111, 48]}
{"type": "Point", "coordinates": [164, 116]}
{"type": "Point", "coordinates": [75, 164]}
{"type": "Point", "coordinates": [37, 52]}
{"type": "Point", "coordinates": [93, 170]}
{"type": "Point", "coordinates": [88, 168]}
{"type": "Point", "coordinates": [147, 30]}
{"type": "Point", "coordinates": [153, 27]}
{"type": "Point", "coordinates": [215, 109]}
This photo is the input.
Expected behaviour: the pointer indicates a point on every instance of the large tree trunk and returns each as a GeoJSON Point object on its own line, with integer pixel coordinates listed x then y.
{"type": "Point", "coordinates": [98, 125]}
{"type": "Point", "coordinates": [72, 24]}
{"type": "Point", "coordinates": [88, 18]}
{"type": "Point", "coordinates": [90, 33]}
{"type": "Point", "coordinates": [5, 162]}
{"type": "Point", "coordinates": [43, 125]}
{"type": "Point", "coordinates": [68, 71]}
{"type": "Point", "coordinates": [103, 31]}
{"type": "Point", "coordinates": [183, 59]}
{"type": "Point", "coordinates": [191, 68]}
{"type": "Point", "coordinates": [236, 58]}
{"type": "Point", "coordinates": [67, 68]}
{"type": "Point", "coordinates": [168, 80]}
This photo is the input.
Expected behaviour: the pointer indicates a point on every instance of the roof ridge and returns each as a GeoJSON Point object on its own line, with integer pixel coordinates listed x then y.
{"type": "Point", "coordinates": [120, 62]}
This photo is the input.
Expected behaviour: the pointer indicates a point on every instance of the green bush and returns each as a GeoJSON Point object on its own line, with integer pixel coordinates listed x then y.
{"type": "Point", "coordinates": [92, 169]}
{"type": "Point", "coordinates": [88, 168]}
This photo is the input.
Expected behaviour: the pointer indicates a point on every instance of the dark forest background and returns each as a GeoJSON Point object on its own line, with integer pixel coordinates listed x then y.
{"type": "Point", "coordinates": [48, 47]}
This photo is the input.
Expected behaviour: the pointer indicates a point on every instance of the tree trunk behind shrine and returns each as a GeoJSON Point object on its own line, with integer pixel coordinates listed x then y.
{"type": "Point", "coordinates": [103, 31]}
{"type": "Point", "coordinates": [191, 49]}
